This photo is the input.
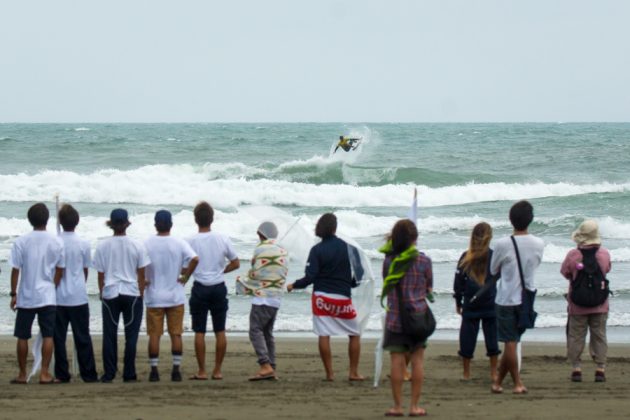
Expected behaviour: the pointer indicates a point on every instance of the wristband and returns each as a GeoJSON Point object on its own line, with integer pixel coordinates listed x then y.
{"type": "Point", "coordinates": [13, 294]}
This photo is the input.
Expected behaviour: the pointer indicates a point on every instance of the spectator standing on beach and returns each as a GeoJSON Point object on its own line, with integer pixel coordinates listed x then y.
{"type": "Point", "coordinates": [265, 282]}
{"type": "Point", "coordinates": [410, 271]}
{"type": "Point", "coordinates": [328, 270]}
{"type": "Point", "coordinates": [120, 262]}
{"type": "Point", "coordinates": [72, 301]}
{"type": "Point", "coordinates": [509, 289]}
{"type": "Point", "coordinates": [581, 318]}
{"type": "Point", "coordinates": [209, 292]}
{"type": "Point", "coordinates": [172, 263]}
{"type": "Point", "coordinates": [474, 292]}
{"type": "Point", "coordinates": [37, 261]}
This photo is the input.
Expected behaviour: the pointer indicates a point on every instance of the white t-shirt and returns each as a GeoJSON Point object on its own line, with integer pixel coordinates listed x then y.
{"type": "Point", "coordinates": [168, 256]}
{"type": "Point", "coordinates": [72, 291]}
{"type": "Point", "coordinates": [36, 255]}
{"type": "Point", "coordinates": [504, 259]}
{"type": "Point", "coordinates": [214, 249]}
{"type": "Point", "coordinates": [120, 257]}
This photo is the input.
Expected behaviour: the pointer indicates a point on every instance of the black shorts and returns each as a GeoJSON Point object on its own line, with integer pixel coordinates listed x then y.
{"type": "Point", "coordinates": [507, 323]}
{"type": "Point", "coordinates": [397, 342]}
{"type": "Point", "coordinates": [208, 298]}
{"type": "Point", "coordinates": [26, 316]}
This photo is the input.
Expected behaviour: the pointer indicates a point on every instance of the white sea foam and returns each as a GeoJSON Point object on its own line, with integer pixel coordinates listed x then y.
{"type": "Point", "coordinates": [185, 185]}
{"type": "Point", "coordinates": [82, 129]}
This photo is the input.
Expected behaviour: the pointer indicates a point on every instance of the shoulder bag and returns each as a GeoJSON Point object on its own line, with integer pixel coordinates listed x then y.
{"type": "Point", "coordinates": [417, 324]}
{"type": "Point", "coordinates": [527, 315]}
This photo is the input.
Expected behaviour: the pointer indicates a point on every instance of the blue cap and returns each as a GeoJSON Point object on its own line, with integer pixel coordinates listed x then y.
{"type": "Point", "coordinates": [163, 218]}
{"type": "Point", "coordinates": [119, 217]}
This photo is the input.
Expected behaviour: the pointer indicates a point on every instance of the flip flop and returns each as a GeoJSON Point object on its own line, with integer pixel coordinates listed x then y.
{"type": "Point", "coordinates": [50, 382]}
{"type": "Point", "coordinates": [420, 414]}
{"type": "Point", "coordinates": [17, 382]}
{"type": "Point", "coordinates": [356, 379]}
{"type": "Point", "coordinates": [393, 414]}
{"type": "Point", "coordinates": [197, 378]}
{"type": "Point", "coordinates": [267, 377]}
{"type": "Point", "coordinates": [217, 378]}
{"type": "Point", "coordinates": [496, 389]}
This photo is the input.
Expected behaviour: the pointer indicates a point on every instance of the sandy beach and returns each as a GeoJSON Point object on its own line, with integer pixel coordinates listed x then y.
{"type": "Point", "coordinates": [301, 393]}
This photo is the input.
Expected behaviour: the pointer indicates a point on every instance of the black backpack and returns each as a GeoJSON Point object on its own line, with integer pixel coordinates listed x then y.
{"type": "Point", "coordinates": [590, 287]}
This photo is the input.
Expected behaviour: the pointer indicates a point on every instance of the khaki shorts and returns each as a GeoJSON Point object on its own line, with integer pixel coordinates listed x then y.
{"type": "Point", "coordinates": [174, 320]}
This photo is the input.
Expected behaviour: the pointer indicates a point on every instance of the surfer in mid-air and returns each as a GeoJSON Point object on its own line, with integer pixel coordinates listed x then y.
{"type": "Point", "coordinates": [348, 143]}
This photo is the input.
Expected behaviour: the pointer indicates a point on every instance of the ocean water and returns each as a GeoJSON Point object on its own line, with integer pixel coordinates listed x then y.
{"type": "Point", "coordinates": [464, 173]}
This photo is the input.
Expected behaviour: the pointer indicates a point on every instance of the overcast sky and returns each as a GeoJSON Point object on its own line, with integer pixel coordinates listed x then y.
{"type": "Point", "coordinates": [317, 60]}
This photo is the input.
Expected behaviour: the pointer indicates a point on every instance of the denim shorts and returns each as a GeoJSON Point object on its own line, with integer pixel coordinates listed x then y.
{"type": "Point", "coordinates": [507, 323]}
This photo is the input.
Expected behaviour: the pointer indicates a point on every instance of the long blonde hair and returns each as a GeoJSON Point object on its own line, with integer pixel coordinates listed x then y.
{"type": "Point", "coordinates": [475, 262]}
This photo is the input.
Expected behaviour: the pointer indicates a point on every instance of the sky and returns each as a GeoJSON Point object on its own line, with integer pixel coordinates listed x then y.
{"type": "Point", "coordinates": [314, 61]}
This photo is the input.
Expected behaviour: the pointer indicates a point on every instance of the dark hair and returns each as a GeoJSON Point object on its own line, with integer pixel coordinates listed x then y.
{"type": "Point", "coordinates": [38, 215]}
{"type": "Point", "coordinates": [163, 227]}
{"type": "Point", "coordinates": [204, 214]}
{"type": "Point", "coordinates": [404, 234]}
{"type": "Point", "coordinates": [521, 215]}
{"type": "Point", "coordinates": [118, 228]}
{"type": "Point", "coordinates": [68, 217]}
{"type": "Point", "coordinates": [326, 225]}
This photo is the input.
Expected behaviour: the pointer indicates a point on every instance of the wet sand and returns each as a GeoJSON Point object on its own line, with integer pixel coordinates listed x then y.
{"type": "Point", "coordinates": [301, 392]}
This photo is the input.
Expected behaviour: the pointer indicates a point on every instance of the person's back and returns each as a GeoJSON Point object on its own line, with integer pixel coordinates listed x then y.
{"type": "Point", "coordinates": [72, 290]}
{"type": "Point", "coordinates": [415, 284]}
{"type": "Point", "coordinates": [504, 261]}
{"type": "Point", "coordinates": [168, 256]}
{"type": "Point", "coordinates": [37, 254]}
{"type": "Point", "coordinates": [120, 262]}
{"type": "Point", "coordinates": [209, 292]}
{"type": "Point", "coordinates": [214, 249]}
{"type": "Point", "coordinates": [72, 302]}
{"type": "Point", "coordinates": [328, 268]}
{"type": "Point", "coordinates": [119, 258]}
{"type": "Point", "coordinates": [37, 261]}
{"type": "Point", "coordinates": [467, 288]}
{"type": "Point", "coordinates": [269, 270]}
{"type": "Point", "coordinates": [509, 289]}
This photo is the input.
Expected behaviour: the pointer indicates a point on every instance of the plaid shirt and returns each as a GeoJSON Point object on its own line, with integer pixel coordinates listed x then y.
{"type": "Point", "coordinates": [415, 284]}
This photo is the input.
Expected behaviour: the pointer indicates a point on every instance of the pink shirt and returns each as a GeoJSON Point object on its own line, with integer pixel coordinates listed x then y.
{"type": "Point", "coordinates": [569, 271]}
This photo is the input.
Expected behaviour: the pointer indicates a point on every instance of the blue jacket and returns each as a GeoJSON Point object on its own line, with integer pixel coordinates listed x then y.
{"type": "Point", "coordinates": [328, 268]}
{"type": "Point", "coordinates": [465, 288]}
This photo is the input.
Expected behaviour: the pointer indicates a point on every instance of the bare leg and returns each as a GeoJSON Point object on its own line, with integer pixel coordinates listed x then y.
{"type": "Point", "coordinates": [509, 363]}
{"type": "Point", "coordinates": [466, 364]}
{"type": "Point", "coordinates": [417, 378]}
{"type": "Point", "coordinates": [154, 346]}
{"type": "Point", "coordinates": [326, 356]}
{"type": "Point", "coordinates": [493, 367]}
{"type": "Point", "coordinates": [47, 352]}
{"type": "Point", "coordinates": [200, 353]}
{"type": "Point", "coordinates": [407, 376]}
{"type": "Point", "coordinates": [177, 346]}
{"type": "Point", "coordinates": [22, 352]}
{"type": "Point", "coordinates": [220, 350]}
{"type": "Point", "coordinates": [354, 353]}
{"type": "Point", "coordinates": [398, 369]}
